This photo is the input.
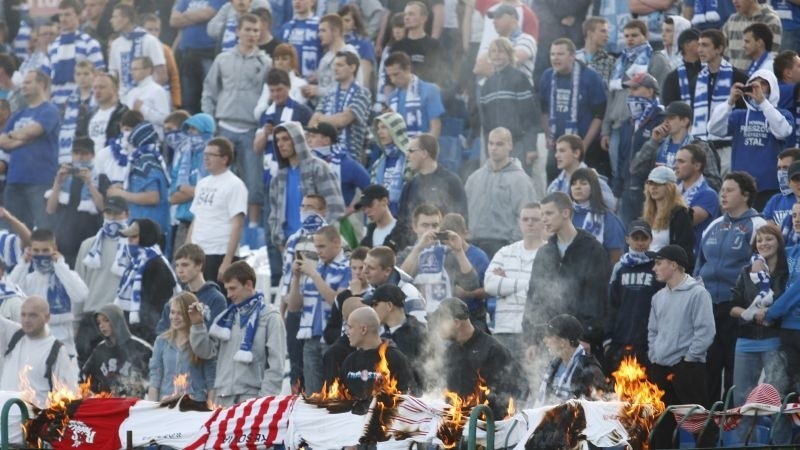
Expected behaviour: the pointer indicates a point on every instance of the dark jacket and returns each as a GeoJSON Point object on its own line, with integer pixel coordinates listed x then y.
{"type": "Point", "coordinates": [576, 284]}
{"type": "Point", "coordinates": [671, 91]}
{"type": "Point", "coordinates": [410, 338]}
{"type": "Point", "coordinates": [742, 295]}
{"type": "Point", "coordinates": [442, 188]}
{"type": "Point", "coordinates": [681, 232]}
{"type": "Point", "coordinates": [398, 239]}
{"type": "Point", "coordinates": [505, 91]}
{"type": "Point", "coordinates": [587, 377]}
{"type": "Point", "coordinates": [630, 294]}
{"type": "Point", "coordinates": [209, 295]}
{"type": "Point", "coordinates": [334, 357]}
{"type": "Point", "coordinates": [121, 366]}
{"type": "Point", "coordinates": [358, 371]}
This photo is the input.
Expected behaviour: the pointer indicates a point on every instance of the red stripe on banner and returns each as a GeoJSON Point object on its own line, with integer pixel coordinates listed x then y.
{"type": "Point", "coordinates": [255, 428]}
{"type": "Point", "coordinates": [201, 441]}
{"type": "Point", "coordinates": [273, 425]}
{"type": "Point", "coordinates": [223, 427]}
{"type": "Point", "coordinates": [237, 428]}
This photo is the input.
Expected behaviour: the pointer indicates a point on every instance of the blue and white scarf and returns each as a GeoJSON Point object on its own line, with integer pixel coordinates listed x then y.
{"type": "Point", "coordinates": [702, 104]}
{"type": "Point", "coordinates": [189, 146]}
{"type": "Point", "coordinates": [631, 61]}
{"type": "Point", "coordinates": [432, 276]}
{"type": "Point", "coordinates": [641, 108]}
{"type": "Point", "coordinates": [147, 155]}
{"type": "Point", "coordinates": [10, 249]}
{"type": "Point", "coordinates": [110, 230]}
{"type": "Point", "coordinates": [633, 259]}
{"type": "Point", "coordinates": [755, 65]}
{"type": "Point", "coordinates": [571, 127]}
{"type": "Point", "coordinates": [783, 182]}
{"type": "Point", "coordinates": [64, 67]}
{"type": "Point", "coordinates": [57, 296]}
{"type": "Point", "coordinates": [593, 223]}
{"type": "Point", "coordinates": [340, 100]}
{"type": "Point", "coordinates": [762, 278]}
{"type": "Point", "coordinates": [86, 203]}
{"type": "Point", "coordinates": [331, 154]}
{"type": "Point", "coordinates": [229, 38]}
{"type": "Point", "coordinates": [10, 290]}
{"type": "Point", "coordinates": [69, 124]}
{"type": "Point", "coordinates": [391, 177]}
{"type": "Point", "coordinates": [129, 292]}
{"type": "Point", "coordinates": [137, 41]}
{"type": "Point", "coordinates": [705, 11]}
{"type": "Point", "coordinates": [561, 386]}
{"type": "Point", "coordinates": [23, 38]}
{"type": "Point", "coordinates": [249, 312]}
{"type": "Point", "coordinates": [689, 194]}
{"type": "Point", "coordinates": [412, 107]}
{"type": "Point", "coordinates": [683, 83]}
{"type": "Point", "coordinates": [665, 155]}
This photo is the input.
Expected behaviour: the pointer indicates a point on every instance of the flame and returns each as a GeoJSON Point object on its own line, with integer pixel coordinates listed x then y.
{"type": "Point", "coordinates": [180, 384]}
{"type": "Point", "coordinates": [457, 414]}
{"type": "Point", "coordinates": [27, 393]}
{"type": "Point", "coordinates": [511, 410]}
{"type": "Point", "coordinates": [643, 397]}
{"type": "Point", "coordinates": [386, 383]}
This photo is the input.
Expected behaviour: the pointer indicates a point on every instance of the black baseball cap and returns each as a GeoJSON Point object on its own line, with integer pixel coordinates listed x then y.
{"type": "Point", "coordinates": [115, 205]}
{"type": "Point", "coordinates": [371, 193]}
{"type": "Point", "coordinates": [565, 326]}
{"type": "Point", "coordinates": [387, 293]}
{"type": "Point", "coordinates": [680, 109]}
{"type": "Point", "coordinates": [503, 9]}
{"type": "Point", "coordinates": [325, 129]}
{"type": "Point", "coordinates": [673, 253]}
{"type": "Point", "coordinates": [794, 169]}
{"type": "Point", "coordinates": [640, 226]}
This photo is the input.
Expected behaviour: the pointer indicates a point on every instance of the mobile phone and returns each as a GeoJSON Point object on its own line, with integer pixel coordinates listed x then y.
{"type": "Point", "coordinates": [74, 170]}
{"type": "Point", "coordinates": [748, 88]}
{"type": "Point", "coordinates": [442, 236]}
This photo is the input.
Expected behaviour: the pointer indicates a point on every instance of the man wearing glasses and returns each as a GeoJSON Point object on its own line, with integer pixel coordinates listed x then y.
{"type": "Point", "coordinates": [219, 207]}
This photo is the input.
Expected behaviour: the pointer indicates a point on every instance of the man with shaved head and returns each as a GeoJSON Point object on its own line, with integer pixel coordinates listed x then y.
{"type": "Point", "coordinates": [340, 349]}
{"type": "Point", "coordinates": [359, 368]}
{"type": "Point", "coordinates": [29, 343]}
{"type": "Point", "coordinates": [495, 194]}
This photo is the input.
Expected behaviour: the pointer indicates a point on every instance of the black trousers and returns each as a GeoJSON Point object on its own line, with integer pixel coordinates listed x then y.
{"type": "Point", "coordinates": [721, 353]}
{"type": "Point", "coordinates": [682, 383]}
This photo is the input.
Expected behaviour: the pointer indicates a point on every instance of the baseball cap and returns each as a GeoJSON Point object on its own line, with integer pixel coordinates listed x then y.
{"type": "Point", "coordinates": [680, 109]}
{"type": "Point", "coordinates": [387, 293]}
{"type": "Point", "coordinates": [371, 193]}
{"type": "Point", "coordinates": [794, 169]}
{"type": "Point", "coordinates": [662, 175]}
{"type": "Point", "coordinates": [673, 253]}
{"type": "Point", "coordinates": [325, 129]}
{"type": "Point", "coordinates": [451, 308]}
{"type": "Point", "coordinates": [503, 9]}
{"type": "Point", "coordinates": [565, 326]}
{"type": "Point", "coordinates": [640, 226]}
{"type": "Point", "coordinates": [642, 79]}
{"type": "Point", "coordinates": [115, 205]}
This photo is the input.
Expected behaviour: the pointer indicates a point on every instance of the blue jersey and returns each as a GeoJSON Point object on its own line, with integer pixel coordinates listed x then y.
{"type": "Point", "coordinates": [303, 34]}
{"type": "Point", "coordinates": [36, 162]}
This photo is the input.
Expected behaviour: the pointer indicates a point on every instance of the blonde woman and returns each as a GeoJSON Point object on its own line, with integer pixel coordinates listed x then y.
{"type": "Point", "coordinates": [667, 213]}
{"type": "Point", "coordinates": [173, 356]}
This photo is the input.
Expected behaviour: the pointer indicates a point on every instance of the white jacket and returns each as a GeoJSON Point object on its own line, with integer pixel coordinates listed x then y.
{"type": "Point", "coordinates": [511, 290]}
{"type": "Point", "coordinates": [155, 101]}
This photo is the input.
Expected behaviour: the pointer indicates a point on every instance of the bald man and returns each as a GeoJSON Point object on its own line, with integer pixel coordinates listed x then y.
{"type": "Point", "coordinates": [495, 195]}
{"type": "Point", "coordinates": [358, 369]}
{"type": "Point", "coordinates": [29, 343]}
{"type": "Point", "coordinates": [335, 355]}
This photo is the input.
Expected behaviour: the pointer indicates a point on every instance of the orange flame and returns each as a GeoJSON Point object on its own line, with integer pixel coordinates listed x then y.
{"type": "Point", "coordinates": [457, 414]}
{"type": "Point", "coordinates": [334, 393]}
{"type": "Point", "coordinates": [181, 384]}
{"type": "Point", "coordinates": [27, 393]}
{"type": "Point", "coordinates": [511, 410]}
{"type": "Point", "coordinates": [642, 396]}
{"type": "Point", "coordinates": [386, 383]}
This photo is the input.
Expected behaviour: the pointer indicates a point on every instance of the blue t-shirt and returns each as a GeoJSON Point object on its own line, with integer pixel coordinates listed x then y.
{"type": "Point", "coordinates": [303, 34]}
{"type": "Point", "coordinates": [707, 199]}
{"type": "Point", "coordinates": [788, 12]}
{"type": "Point", "coordinates": [725, 9]}
{"type": "Point", "coordinates": [364, 46]}
{"type": "Point", "coordinates": [431, 107]}
{"type": "Point", "coordinates": [666, 156]}
{"type": "Point", "coordinates": [613, 230]}
{"type": "Point", "coordinates": [779, 207]}
{"type": "Point", "coordinates": [591, 95]}
{"type": "Point", "coordinates": [195, 37]}
{"type": "Point", "coordinates": [354, 175]}
{"type": "Point", "coordinates": [151, 180]}
{"type": "Point", "coordinates": [294, 198]}
{"type": "Point", "coordinates": [35, 162]}
{"type": "Point", "coordinates": [754, 148]}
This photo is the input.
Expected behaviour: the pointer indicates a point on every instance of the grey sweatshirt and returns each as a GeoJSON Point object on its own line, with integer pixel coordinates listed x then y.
{"type": "Point", "coordinates": [102, 283]}
{"type": "Point", "coordinates": [230, 90]}
{"type": "Point", "coordinates": [494, 199]}
{"type": "Point", "coordinates": [681, 325]}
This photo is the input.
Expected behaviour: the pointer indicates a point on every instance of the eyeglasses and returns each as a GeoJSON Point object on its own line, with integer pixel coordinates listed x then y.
{"type": "Point", "coordinates": [209, 155]}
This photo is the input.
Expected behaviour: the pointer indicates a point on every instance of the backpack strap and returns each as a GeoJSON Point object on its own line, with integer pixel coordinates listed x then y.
{"type": "Point", "coordinates": [15, 338]}
{"type": "Point", "coordinates": [51, 361]}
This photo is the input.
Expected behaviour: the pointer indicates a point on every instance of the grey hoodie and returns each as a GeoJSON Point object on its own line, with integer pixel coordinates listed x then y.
{"type": "Point", "coordinates": [230, 90]}
{"type": "Point", "coordinates": [494, 198]}
{"type": "Point", "coordinates": [681, 325]}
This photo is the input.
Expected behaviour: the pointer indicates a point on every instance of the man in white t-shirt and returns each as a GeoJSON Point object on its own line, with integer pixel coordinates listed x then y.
{"type": "Point", "coordinates": [219, 207]}
{"type": "Point", "coordinates": [383, 229]}
{"type": "Point", "coordinates": [104, 123]}
{"type": "Point", "coordinates": [132, 43]}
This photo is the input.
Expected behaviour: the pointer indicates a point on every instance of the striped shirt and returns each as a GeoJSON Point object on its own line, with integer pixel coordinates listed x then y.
{"type": "Point", "coordinates": [734, 31]}
{"type": "Point", "coordinates": [316, 310]}
{"type": "Point", "coordinates": [358, 103]}
{"type": "Point", "coordinates": [63, 56]}
{"type": "Point", "coordinates": [526, 43]}
{"type": "Point", "coordinates": [511, 289]}
{"type": "Point", "coordinates": [22, 40]}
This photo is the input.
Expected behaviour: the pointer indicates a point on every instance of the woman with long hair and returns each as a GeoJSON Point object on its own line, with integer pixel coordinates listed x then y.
{"type": "Point", "coordinates": [355, 34]}
{"type": "Point", "coordinates": [173, 356]}
{"type": "Point", "coordinates": [592, 214]}
{"type": "Point", "coordinates": [667, 213]}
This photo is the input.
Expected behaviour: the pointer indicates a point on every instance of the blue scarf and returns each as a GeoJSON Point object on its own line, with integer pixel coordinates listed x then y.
{"type": "Point", "coordinates": [633, 259]}
{"type": "Point", "coordinates": [136, 37]}
{"type": "Point", "coordinates": [86, 203]}
{"type": "Point", "coordinates": [705, 11]}
{"type": "Point", "coordinates": [57, 296]}
{"type": "Point", "coordinates": [683, 83]}
{"type": "Point", "coordinates": [229, 38]}
{"type": "Point", "coordinates": [64, 68]}
{"type": "Point", "coordinates": [633, 60]}
{"type": "Point", "coordinates": [761, 278]}
{"type": "Point", "coordinates": [10, 290]}
{"type": "Point", "coordinates": [110, 230]}
{"type": "Point", "coordinates": [702, 103]}
{"type": "Point", "coordinates": [689, 194]}
{"type": "Point", "coordinates": [129, 292]}
{"type": "Point", "coordinates": [561, 385]}
{"type": "Point", "coordinates": [666, 156]}
{"type": "Point", "coordinates": [391, 177]}
{"type": "Point", "coordinates": [10, 249]}
{"type": "Point", "coordinates": [332, 155]}
{"type": "Point", "coordinates": [571, 127]}
{"type": "Point", "coordinates": [641, 108]}
{"type": "Point", "coordinates": [431, 275]}
{"type": "Point", "coordinates": [593, 223]}
{"type": "Point", "coordinates": [340, 100]}
{"type": "Point", "coordinates": [69, 124]}
{"type": "Point", "coordinates": [249, 311]}
{"type": "Point", "coordinates": [755, 65]}
{"type": "Point", "coordinates": [412, 107]}
{"type": "Point", "coordinates": [189, 146]}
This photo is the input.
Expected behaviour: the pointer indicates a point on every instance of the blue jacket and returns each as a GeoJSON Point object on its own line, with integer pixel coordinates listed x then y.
{"type": "Point", "coordinates": [724, 250]}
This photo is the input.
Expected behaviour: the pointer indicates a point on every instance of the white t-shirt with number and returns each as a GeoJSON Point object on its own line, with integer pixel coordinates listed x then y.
{"type": "Point", "coordinates": [217, 200]}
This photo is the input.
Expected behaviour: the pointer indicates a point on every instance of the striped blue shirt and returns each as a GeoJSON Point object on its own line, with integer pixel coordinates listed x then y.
{"type": "Point", "coordinates": [316, 310]}
{"type": "Point", "coordinates": [64, 52]}
{"type": "Point", "coordinates": [304, 35]}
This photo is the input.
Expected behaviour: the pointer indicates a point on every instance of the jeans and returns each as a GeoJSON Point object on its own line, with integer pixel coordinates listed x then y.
{"type": "Point", "coordinates": [27, 203]}
{"type": "Point", "coordinates": [294, 349]}
{"type": "Point", "coordinates": [313, 349]}
{"type": "Point", "coordinates": [613, 152]}
{"type": "Point", "coordinates": [194, 65]}
{"type": "Point", "coordinates": [747, 368]}
{"type": "Point", "coordinates": [247, 165]}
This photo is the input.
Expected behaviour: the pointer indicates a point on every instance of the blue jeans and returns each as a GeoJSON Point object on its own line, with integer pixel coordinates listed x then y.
{"type": "Point", "coordinates": [194, 65]}
{"type": "Point", "coordinates": [747, 368]}
{"type": "Point", "coordinates": [27, 203]}
{"type": "Point", "coordinates": [613, 151]}
{"type": "Point", "coordinates": [247, 165]}
{"type": "Point", "coordinates": [313, 350]}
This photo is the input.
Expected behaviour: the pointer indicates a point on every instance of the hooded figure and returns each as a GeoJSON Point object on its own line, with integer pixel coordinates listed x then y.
{"type": "Point", "coordinates": [390, 169]}
{"type": "Point", "coordinates": [673, 53]}
{"type": "Point", "coordinates": [188, 167]}
{"type": "Point", "coordinates": [758, 131]}
{"type": "Point", "coordinates": [147, 173]}
{"type": "Point", "coordinates": [119, 363]}
{"type": "Point", "coordinates": [307, 175]}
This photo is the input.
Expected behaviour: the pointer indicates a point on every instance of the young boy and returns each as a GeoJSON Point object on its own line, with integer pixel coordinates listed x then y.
{"type": "Point", "coordinates": [77, 110]}
{"type": "Point", "coordinates": [44, 273]}
{"type": "Point", "coordinates": [189, 261]}
{"type": "Point", "coordinates": [632, 287]}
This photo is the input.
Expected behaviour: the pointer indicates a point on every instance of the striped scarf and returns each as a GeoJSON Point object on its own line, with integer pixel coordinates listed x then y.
{"type": "Point", "coordinates": [189, 146]}
{"type": "Point", "coordinates": [705, 11]}
{"type": "Point", "coordinates": [755, 65]}
{"type": "Point", "coordinates": [667, 157]}
{"type": "Point", "coordinates": [631, 61]}
{"type": "Point", "coordinates": [86, 203]}
{"type": "Point", "coordinates": [702, 103]}
{"type": "Point", "coordinates": [593, 223]}
{"type": "Point", "coordinates": [561, 386]}
{"type": "Point", "coordinates": [683, 84]}
{"type": "Point", "coordinates": [571, 127]}
{"type": "Point", "coordinates": [136, 37]}
{"type": "Point", "coordinates": [69, 124]}
{"type": "Point", "coordinates": [412, 107]}
{"type": "Point", "coordinates": [633, 259]}
{"type": "Point", "coordinates": [331, 154]}
{"type": "Point", "coordinates": [63, 60]}
{"type": "Point", "coordinates": [129, 292]}
{"type": "Point", "coordinates": [392, 176]}
{"type": "Point", "coordinates": [110, 230]}
{"type": "Point", "coordinates": [229, 38]}
{"type": "Point", "coordinates": [249, 312]}
{"type": "Point", "coordinates": [10, 249]}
